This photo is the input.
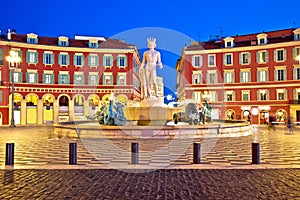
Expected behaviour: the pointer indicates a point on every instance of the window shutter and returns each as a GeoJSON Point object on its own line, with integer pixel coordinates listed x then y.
{"type": "Point", "coordinates": [89, 79]}
{"type": "Point", "coordinates": [284, 75]}
{"type": "Point", "coordinates": [267, 56]}
{"type": "Point", "coordinates": [82, 60]}
{"type": "Point", "coordinates": [249, 61]}
{"type": "Point", "coordinates": [268, 94]}
{"type": "Point", "coordinates": [233, 78]}
{"type": "Point", "coordinates": [111, 80]}
{"type": "Point", "coordinates": [36, 78]}
{"type": "Point", "coordinates": [68, 78]}
{"type": "Point", "coordinates": [275, 75]}
{"type": "Point", "coordinates": [52, 78]}
{"type": "Point", "coordinates": [233, 96]}
{"type": "Point", "coordinates": [241, 58]}
{"type": "Point", "coordinates": [118, 80]}
{"type": "Point", "coordinates": [103, 80]}
{"type": "Point", "coordinates": [97, 60]}
{"type": "Point", "coordinates": [295, 37]}
{"type": "Point", "coordinates": [59, 78]}
{"type": "Point", "coordinates": [125, 61]}
{"type": "Point", "coordinates": [27, 56]}
{"type": "Point", "coordinates": [44, 58]}
{"type": "Point", "coordinates": [36, 57]}
{"type": "Point", "coordinates": [1, 57]}
{"type": "Point", "coordinates": [67, 43]}
{"type": "Point", "coordinates": [275, 55]}
{"type": "Point", "coordinates": [111, 61]}
{"type": "Point", "coordinates": [104, 61]}
{"type": "Point", "coordinates": [118, 61]}
{"type": "Point", "coordinates": [89, 60]}
{"type": "Point", "coordinates": [258, 95]}
{"type": "Point", "coordinates": [68, 59]}
{"type": "Point", "coordinates": [284, 55]}
{"type": "Point", "coordinates": [224, 59]}
{"type": "Point", "coordinates": [52, 58]}
{"type": "Point", "coordinates": [257, 57]}
{"type": "Point", "coordinates": [27, 77]}
{"type": "Point", "coordinates": [60, 59]}
{"type": "Point", "coordinates": [44, 78]}
{"type": "Point", "coordinates": [294, 53]}
{"type": "Point", "coordinates": [74, 60]}
{"type": "Point", "coordinates": [249, 76]}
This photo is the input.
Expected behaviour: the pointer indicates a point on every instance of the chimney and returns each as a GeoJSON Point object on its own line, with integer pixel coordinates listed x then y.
{"type": "Point", "coordinates": [8, 34]}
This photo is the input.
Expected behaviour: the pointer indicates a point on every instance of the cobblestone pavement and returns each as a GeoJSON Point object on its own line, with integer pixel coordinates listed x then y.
{"type": "Point", "coordinates": [36, 146]}
{"type": "Point", "coordinates": [41, 169]}
{"type": "Point", "coordinates": [159, 184]}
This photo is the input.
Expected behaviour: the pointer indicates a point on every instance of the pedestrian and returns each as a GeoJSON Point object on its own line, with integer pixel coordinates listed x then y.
{"type": "Point", "coordinates": [289, 125]}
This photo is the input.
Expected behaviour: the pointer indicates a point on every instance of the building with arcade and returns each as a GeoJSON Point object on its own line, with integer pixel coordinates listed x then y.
{"type": "Point", "coordinates": [63, 79]}
{"type": "Point", "coordinates": [255, 77]}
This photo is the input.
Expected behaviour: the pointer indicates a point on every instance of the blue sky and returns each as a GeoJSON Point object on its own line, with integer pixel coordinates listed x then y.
{"type": "Point", "coordinates": [174, 23]}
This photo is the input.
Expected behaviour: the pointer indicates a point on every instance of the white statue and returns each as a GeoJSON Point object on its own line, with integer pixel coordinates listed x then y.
{"type": "Point", "coordinates": [148, 74]}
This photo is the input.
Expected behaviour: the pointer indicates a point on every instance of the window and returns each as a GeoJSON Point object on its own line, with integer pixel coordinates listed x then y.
{"type": "Point", "coordinates": [245, 77]}
{"type": "Point", "coordinates": [93, 44]}
{"type": "Point", "coordinates": [211, 60]}
{"type": "Point", "coordinates": [229, 77]}
{"type": "Point", "coordinates": [197, 61]}
{"type": "Point", "coordinates": [107, 61]}
{"type": "Point", "coordinates": [48, 58]}
{"type": "Point", "coordinates": [245, 58]}
{"type": "Point", "coordinates": [228, 42]}
{"type": "Point", "coordinates": [262, 57]}
{"type": "Point", "coordinates": [297, 34]}
{"type": "Point", "coordinates": [281, 94]}
{"type": "Point", "coordinates": [63, 59]}
{"type": "Point", "coordinates": [63, 41]}
{"type": "Point", "coordinates": [262, 38]}
{"type": "Point", "coordinates": [78, 60]}
{"type": "Point", "coordinates": [107, 79]}
{"type": "Point", "coordinates": [296, 53]}
{"type": "Point", "coordinates": [197, 78]}
{"type": "Point", "coordinates": [212, 77]}
{"type": "Point", "coordinates": [78, 79]}
{"type": "Point", "coordinates": [122, 61]}
{"type": "Point", "coordinates": [93, 60]}
{"type": "Point", "coordinates": [280, 74]}
{"type": "Point", "coordinates": [263, 95]}
{"type": "Point", "coordinates": [93, 79]}
{"type": "Point", "coordinates": [17, 77]}
{"type": "Point", "coordinates": [48, 78]}
{"type": "Point", "coordinates": [31, 77]}
{"type": "Point", "coordinates": [228, 59]}
{"type": "Point", "coordinates": [245, 95]}
{"type": "Point", "coordinates": [32, 57]}
{"type": "Point", "coordinates": [121, 80]}
{"type": "Point", "coordinates": [213, 96]}
{"type": "Point", "coordinates": [280, 55]}
{"type": "Point", "coordinates": [32, 38]}
{"type": "Point", "coordinates": [229, 96]}
{"type": "Point", "coordinates": [262, 75]}
{"type": "Point", "coordinates": [63, 79]}
{"type": "Point", "coordinates": [296, 73]}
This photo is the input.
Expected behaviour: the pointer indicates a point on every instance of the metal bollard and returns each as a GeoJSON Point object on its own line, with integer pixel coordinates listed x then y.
{"type": "Point", "coordinates": [196, 155]}
{"type": "Point", "coordinates": [72, 153]}
{"type": "Point", "coordinates": [9, 154]}
{"type": "Point", "coordinates": [255, 153]}
{"type": "Point", "coordinates": [134, 153]}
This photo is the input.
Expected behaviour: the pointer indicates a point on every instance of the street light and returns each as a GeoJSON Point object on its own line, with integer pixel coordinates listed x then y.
{"type": "Point", "coordinates": [13, 60]}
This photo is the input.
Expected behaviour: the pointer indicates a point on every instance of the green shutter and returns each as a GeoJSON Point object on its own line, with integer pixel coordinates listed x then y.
{"type": "Point", "coordinates": [1, 57]}
{"type": "Point", "coordinates": [36, 57]}
{"type": "Point", "coordinates": [118, 61]}
{"type": "Point", "coordinates": [52, 78]}
{"type": "Point", "coordinates": [89, 79]}
{"type": "Point", "coordinates": [74, 60]}
{"type": "Point", "coordinates": [59, 59]}
{"type": "Point", "coordinates": [68, 78]}
{"type": "Point", "coordinates": [294, 53]}
{"type": "Point", "coordinates": [284, 54]}
{"type": "Point", "coordinates": [27, 56]}
{"type": "Point", "coordinates": [89, 61]}
{"type": "Point", "coordinates": [267, 56]}
{"type": "Point", "coordinates": [27, 77]}
{"type": "Point", "coordinates": [284, 75]}
{"type": "Point", "coordinates": [103, 80]}
{"type": "Point", "coordinates": [275, 55]}
{"type": "Point", "coordinates": [118, 80]}
{"type": "Point", "coordinates": [249, 57]}
{"type": "Point", "coordinates": [44, 78]}
{"type": "Point", "coordinates": [0, 96]}
{"type": "Point", "coordinates": [97, 60]}
{"type": "Point", "coordinates": [59, 78]}
{"type": "Point", "coordinates": [36, 78]}
{"type": "Point", "coordinates": [125, 61]}
{"type": "Point", "coordinates": [111, 79]}
{"type": "Point", "coordinates": [257, 57]}
{"type": "Point", "coordinates": [82, 60]}
{"type": "Point", "coordinates": [275, 75]}
{"type": "Point", "coordinates": [103, 61]}
{"type": "Point", "coordinates": [44, 58]}
{"type": "Point", "coordinates": [52, 58]}
{"type": "Point", "coordinates": [68, 59]}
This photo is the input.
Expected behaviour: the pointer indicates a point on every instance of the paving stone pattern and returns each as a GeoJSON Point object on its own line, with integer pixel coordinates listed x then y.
{"type": "Point", "coordinates": [159, 184]}
{"type": "Point", "coordinates": [37, 146]}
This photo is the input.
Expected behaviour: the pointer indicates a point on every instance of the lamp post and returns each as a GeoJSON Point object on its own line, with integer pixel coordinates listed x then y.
{"type": "Point", "coordinates": [13, 60]}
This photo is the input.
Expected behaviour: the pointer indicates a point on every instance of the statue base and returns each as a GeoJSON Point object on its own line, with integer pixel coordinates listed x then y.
{"type": "Point", "coordinates": [152, 102]}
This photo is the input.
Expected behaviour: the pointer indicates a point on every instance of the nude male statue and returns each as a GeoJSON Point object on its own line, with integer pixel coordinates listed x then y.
{"type": "Point", "coordinates": [151, 57]}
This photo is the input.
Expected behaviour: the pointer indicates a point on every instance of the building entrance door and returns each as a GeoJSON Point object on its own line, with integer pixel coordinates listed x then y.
{"type": "Point", "coordinates": [298, 115]}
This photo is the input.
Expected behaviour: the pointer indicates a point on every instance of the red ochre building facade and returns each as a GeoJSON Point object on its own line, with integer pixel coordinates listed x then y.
{"type": "Point", "coordinates": [64, 79]}
{"type": "Point", "coordinates": [254, 77]}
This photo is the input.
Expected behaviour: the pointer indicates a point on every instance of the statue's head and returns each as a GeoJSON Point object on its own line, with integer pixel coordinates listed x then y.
{"type": "Point", "coordinates": [151, 43]}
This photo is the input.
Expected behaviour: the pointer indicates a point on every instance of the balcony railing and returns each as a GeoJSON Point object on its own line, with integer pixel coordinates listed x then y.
{"type": "Point", "coordinates": [294, 101]}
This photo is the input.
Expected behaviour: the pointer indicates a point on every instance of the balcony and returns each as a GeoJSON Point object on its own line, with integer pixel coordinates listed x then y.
{"type": "Point", "coordinates": [294, 101]}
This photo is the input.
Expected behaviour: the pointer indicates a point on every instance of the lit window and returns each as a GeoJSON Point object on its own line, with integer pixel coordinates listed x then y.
{"type": "Point", "coordinates": [245, 58]}
{"type": "Point", "coordinates": [262, 57]}
{"type": "Point", "coordinates": [262, 76]}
